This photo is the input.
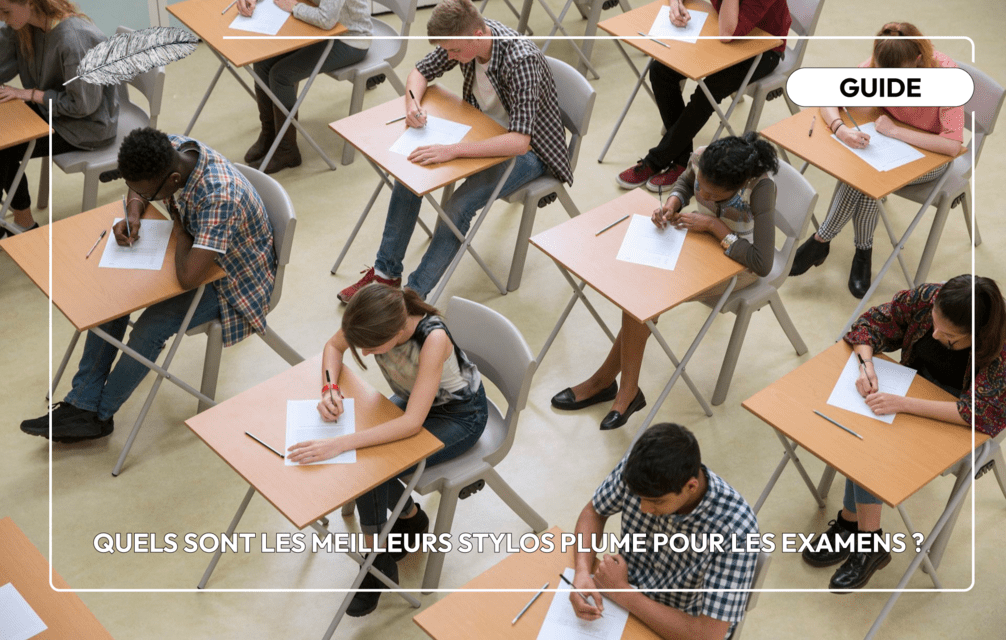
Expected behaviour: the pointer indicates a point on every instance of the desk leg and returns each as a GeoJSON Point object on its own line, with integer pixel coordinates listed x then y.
{"type": "Point", "coordinates": [588, 42]}
{"type": "Point", "coordinates": [230, 531]}
{"type": "Point", "coordinates": [206, 96]}
{"type": "Point", "coordinates": [13, 228]}
{"type": "Point", "coordinates": [577, 294]}
{"type": "Point", "coordinates": [894, 243]}
{"type": "Point", "coordinates": [927, 565]}
{"type": "Point", "coordinates": [789, 453]}
{"type": "Point", "coordinates": [62, 365]}
{"type": "Point", "coordinates": [466, 240]}
{"type": "Point", "coordinates": [557, 26]}
{"type": "Point", "coordinates": [359, 223]}
{"type": "Point", "coordinates": [640, 82]}
{"type": "Point", "coordinates": [725, 119]}
{"type": "Point", "coordinates": [827, 477]}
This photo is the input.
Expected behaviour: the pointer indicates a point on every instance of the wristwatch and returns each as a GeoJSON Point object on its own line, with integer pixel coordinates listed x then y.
{"type": "Point", "coordinates": [728, 241]}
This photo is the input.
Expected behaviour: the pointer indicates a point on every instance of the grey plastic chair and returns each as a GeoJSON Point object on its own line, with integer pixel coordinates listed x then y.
{"type": "Point", "coordinates": [279, 208]}
{"type": "Point", "coordinates": [503, 358]}
{"type": "Point", "coordinates": [795, 200]}
{"type": "Point", "coordinates": [576, 103]}
{"type": "Point", "coordinates": [761, 570]}
{"type": "Point", "coordinates": [93, 163]}
{"type": "Point", "coordinates": [986, 102]}
{"type": "Point", "coordinates": [805, 14]}
{"type": "Point", "coordinates": [387, 50]}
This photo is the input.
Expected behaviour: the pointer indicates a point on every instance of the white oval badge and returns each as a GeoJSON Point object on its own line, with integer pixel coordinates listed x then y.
{"type": "Point", "coordinates": [856, 87]}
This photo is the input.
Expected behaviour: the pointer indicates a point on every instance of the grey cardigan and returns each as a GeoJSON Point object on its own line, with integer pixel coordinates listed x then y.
{"type": "Point", "coordinates": [85, 115]}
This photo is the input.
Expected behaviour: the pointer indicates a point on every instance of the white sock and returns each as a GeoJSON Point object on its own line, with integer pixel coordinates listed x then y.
{"type": "Point", "coordinates": [381, 274]}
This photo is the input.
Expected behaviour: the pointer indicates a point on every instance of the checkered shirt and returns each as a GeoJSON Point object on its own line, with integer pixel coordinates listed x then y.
{"type": "Point", "coordinates": [723, 511]}
{"type": "Point", "coordinates": [526, 88]}
{"type": "Point", "coordinates": [223, 213]}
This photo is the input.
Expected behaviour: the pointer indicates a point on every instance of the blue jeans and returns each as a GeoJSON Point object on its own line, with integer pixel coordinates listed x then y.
{"type": "Point", "coordinates": [855, 494]}
{"type": "Point", "coordinates": [282, 73]}
{"type": "Point", "coordinates": [459, 425]}
{"type": "Point", "coordinates": [469, 199]}
{"type": "Point", "coordinates": [95, 389]}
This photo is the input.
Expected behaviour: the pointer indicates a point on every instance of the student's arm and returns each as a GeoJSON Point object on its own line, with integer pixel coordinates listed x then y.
{"type": "Point", "coordinates": [508, 144]}
{"type": "Point", "coordinates": [590, 523]}
{"type": "Point", "coordinates": [330, 407]}
{"type": "Point", "coordinates": [728, 16]}
{"type": "Point", "coordinates": [921, 139]}
{"type": "Point", "coordinates": [739, 19]}
{"type": "Point", "coordinates": [849, 135]}
{"type": "Point", "coordinates": [192, 263]}
{"type": "Point", "coordinates": [435, 351]}
{"type": "Point", "coordinates": [246, 7]}
{"type": "Point", "coordinates": [884, 403]}
{"type": "Point", "coordinates": [677, 13]}
{"type": "Point", "coordinates": [78, 99]}
{"type": "Point", "coordinates": [135, 206]}
{"type": "Point", "coordinates": [866, 383]}
{"type": "Point", "coordinates": [415, 115]}
{"type": "Point", "coordinates": [323, 16]}
{"type": "Point", "coordinates": [758, 255]}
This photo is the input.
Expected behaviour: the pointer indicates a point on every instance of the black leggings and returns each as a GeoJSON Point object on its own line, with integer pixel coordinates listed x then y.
{"type": "Point", "coordinates": [10, 160]}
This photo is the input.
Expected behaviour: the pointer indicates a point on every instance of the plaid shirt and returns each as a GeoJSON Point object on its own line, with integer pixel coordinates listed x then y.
{"type": "Point", "coordinates": [524, 84]}
{"type": "Point", "coordinates": [222, 212]}
{"type": "Point", "coordinates": [722, 511]}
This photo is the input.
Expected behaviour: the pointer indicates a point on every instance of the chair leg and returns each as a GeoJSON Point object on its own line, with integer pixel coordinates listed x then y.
{"type": "Point", "coordinates": [787, 324]}
{"type": "Point", "coordinates": [280, 346]}
{"type": "Point", "coordinates": [211, 363]}
{"type": "Point", "coordinates": [567, 202]}
{"type": "Point", "coordinates": [42, 201]}
{"type": "Point", "coordinates": [514, 501]}
{"type": "Point", "coordinates": [395, 81]}
{"type": "Point", "coordinates": [976, 239]}
{"type": "Point", "coordinates": [355, 106]}
{"type": "Point", "coordinates": [445, 518]}
{"type": "Point", "coordinates": [523, 235]}
{"type": "Point", "coordinates": [754, 115]}
{"type": "Point", "coordinates": [733, 352]}
{"type": "Point", "coordinates": [90, 197]}
{"type": "Point", "coordinates": [999, 468]}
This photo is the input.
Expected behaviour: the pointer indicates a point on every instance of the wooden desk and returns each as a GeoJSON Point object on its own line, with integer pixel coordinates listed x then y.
{"type": "Point", "coordinates": [305, 494]}
{"type": "Point", "coordinates": [892, 461]}
{"type": "Point", "coordinates": [20, 125]}
{"type": "Point", "coordinates": [695, 61]}
{"type": "Point", "coordinates": [369, 133]}
{"type": "Point", "coordinates": [203, 18]}
{"type": "Point", "coordinates": [64, 614]}
{"type": "Point", "coordinates": [641, 291]}
{"type": "Point", "coordinates": [487, 616]}
{"type": "Point", "coordinates": [90, 296]}
{"type": "Point", "coordinates": [829, 155]}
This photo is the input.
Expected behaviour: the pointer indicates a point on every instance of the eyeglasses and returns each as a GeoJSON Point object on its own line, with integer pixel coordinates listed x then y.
{"type": "Point", "coordinates": [156, 191]}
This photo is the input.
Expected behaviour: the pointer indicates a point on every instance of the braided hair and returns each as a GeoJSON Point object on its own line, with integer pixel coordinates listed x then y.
{"type": "Point", "coordinates": [732, 161]}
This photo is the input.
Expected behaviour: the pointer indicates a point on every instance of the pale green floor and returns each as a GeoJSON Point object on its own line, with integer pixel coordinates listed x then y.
{"type": "Point", "coordinates": [173, 483]}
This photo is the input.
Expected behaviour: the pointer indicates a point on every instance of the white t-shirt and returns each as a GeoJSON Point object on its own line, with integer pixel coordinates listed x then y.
{"type": "Point", "coordinates": [487, 98]}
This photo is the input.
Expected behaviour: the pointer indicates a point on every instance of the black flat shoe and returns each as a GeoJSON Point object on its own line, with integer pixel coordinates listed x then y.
{"type": "Point", "coordinates": [566, 401]}
{"type": "Point", "coordinates": [861, 272]}
{"type": "Point", "coordinates": [365, 603]}
{"type": "Point", "coordinates": [411, 531]}
{"type": "Point", "coordinates": [614, 419]}
{"type": "Point", "coordinates": [825, 555]}
{"type": "Point", "coordinates": [858, 570]}
{"type": "Point", "coordinates": [810, 254]}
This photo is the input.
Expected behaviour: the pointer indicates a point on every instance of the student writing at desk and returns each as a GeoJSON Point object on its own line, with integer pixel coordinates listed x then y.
{"type": "Point", "coordinates": [42, 42]}
{"type": "Point", "coordinates": [735, 198]}
{"type": "Point", "coordinates": [282, 73]}
{"type": "Point", "coordinates": [507, 77]}
{"type": "Point", "coordinates": [931, 325]}
{"type": "Point", "coordinates": [222, 220]}
{"type": "Point", "coordinates": [433, 381]}
{"type": "Point", "coordinates": [661, 486]}
{"type": "Point", "coordinates": [942, 132]}
{"type": "Point", "coordinates": [668, 160]}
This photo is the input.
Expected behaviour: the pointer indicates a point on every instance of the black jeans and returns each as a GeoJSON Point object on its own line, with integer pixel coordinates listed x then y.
{"type": "Point", "coordinates": [10, 160]}
{"type": "Point", "coordinates": [684, 122]}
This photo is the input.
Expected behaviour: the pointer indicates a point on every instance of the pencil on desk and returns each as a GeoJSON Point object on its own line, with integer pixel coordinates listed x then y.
{"type": "Point", "coordinates": [611, 225]}
{"type": "Point", "coordinates": [843, 428]}
{"type": "Point", "coordinates": [530, 602]}
{"type": "Point", "coordinates": [228, 8]}
{"type": "Point", "coordinates": [647, 36]}
{"type": "Point", "coordinates": [394, 120]}
{"type": "Point", "coordinates": [812, 123]}
{"type": "Point", "coordinates": [265, 445]}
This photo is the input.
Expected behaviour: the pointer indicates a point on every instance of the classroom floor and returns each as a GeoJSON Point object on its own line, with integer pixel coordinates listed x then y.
{"type": "Point", "coordinates": [173, 483]}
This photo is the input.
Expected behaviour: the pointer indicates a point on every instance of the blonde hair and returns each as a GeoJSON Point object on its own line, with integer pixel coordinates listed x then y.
{"type": "Point", "coordinates": [53, 11]}
{"type": "Point", "coordinates": [452, 18]}
{"type": "Point", "coordinates": [897, 52]}
{"type": "Point", "coordinates": [376, 313]}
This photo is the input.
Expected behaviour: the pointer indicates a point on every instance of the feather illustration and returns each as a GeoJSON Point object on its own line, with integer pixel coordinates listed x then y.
{"type": "Point", "coordinates": [126, 55]}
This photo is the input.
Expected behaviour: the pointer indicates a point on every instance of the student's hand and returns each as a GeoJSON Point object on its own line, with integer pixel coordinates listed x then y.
{"type": "Point", "coordinates": [867, 381]}
{"type": "Point", "coordinates": [330, 407]}
{"type": "Point", "coordinates": [693, 221]}
{"type": "Point", "coordinates": [612, 573]}
{"type": "Point", "coordinates": [13, 93]}
{"type": "Point", "coordinates": [119, 229]}
{"type": "Point", "coordinates": [585, 610]}
{"type": "Point", "coordinates": [414, 116]}
{"type": "Point", "coordinates": [246, 7]}
{"type": "Point", "coordinates": [852, 137]}
{"type": "Point", "coordinates": [316, 450]}
{"type": "Point", "coordinates": [884, 404]}
{"type": "Point", "coordinates": [433, 154]}
{"type": "Point", "coordinates": [667, 213]}
{"type": "Point", "coordinates": [885, 126]}
{"type": "Point", "coordinates": [678, 14]}
{"type": "Point", "coordinates": [286, 5]}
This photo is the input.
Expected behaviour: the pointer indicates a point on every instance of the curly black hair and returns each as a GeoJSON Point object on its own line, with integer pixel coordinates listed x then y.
{"type": "Point", "coordinates": [146, 154]}
{"type": "Point", "coordinates": [662, 461]}
{"type": "Point", "coordinates": [730, 162]}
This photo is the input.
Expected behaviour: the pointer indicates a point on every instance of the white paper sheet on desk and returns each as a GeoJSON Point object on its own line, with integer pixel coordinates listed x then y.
{"type": "Point", "coordinates": [267, 19]}
{"type": "Point", "coordinates": [436, 131]}
{"type": "Point", "coordinates": [18, 621]}
{"type": "Point", "coordinates": [644, 243]}
{"type": "Point", "coordinates": [883, 153]}
{"type": "Point", "coordinates": [303, 422]}
{"type": "Point", "coordinates": [664, 30]}
{"type": "Point", "coordinates": [561, 622]}
{"type": "Point", "coordinates": [146, 253]}
{"type": "Point", "coordinates": [892, 378]}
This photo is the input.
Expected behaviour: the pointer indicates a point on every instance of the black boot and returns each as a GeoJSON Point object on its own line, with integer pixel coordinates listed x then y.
{"type": "Point", "coordinates": [287, 154]}
{"type": "Point", "coordinates": [267, 133]}
{"type": "Point", "coordinates": [839, 530]}
{"type": "Point", "coordinates": [365, 603]}
{"type": "Point", "coordinates": [862, 270]}
{"type": "Point", "coordinates": [811, 253]}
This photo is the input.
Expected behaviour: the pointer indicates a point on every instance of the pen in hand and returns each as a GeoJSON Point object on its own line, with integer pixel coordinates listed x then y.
{"type": "Point", "coordinates": [582, 595]}
{"type": "Point", "coordinates": [418, 109]}
{"type": "Point", "coordinates": [125, 214]}
{"type": "Point", "coordinates": [854, 123]}
{"type": "Point", "coordinates": [328, 379]}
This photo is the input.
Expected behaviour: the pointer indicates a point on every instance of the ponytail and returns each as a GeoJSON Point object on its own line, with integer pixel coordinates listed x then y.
{"type": "Point", "coordinates": [377, 313]}
{"type": "Point", "coordinates": [730, 162]}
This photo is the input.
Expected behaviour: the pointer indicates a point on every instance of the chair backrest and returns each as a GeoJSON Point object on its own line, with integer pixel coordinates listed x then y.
{"type": "Point", "coordinates": [986, 102]}
{"type": "Point", "coordinates": [804, 14]}
{"type": "Point", "coordinates": [406, 12]}
{"type": "Point", "coordinates": [794, 203]}
{"type": "Point", "coordinates": [279, 208]}
{"type": "Point", "coordinates": [500, 352]}
{"type": "Point", "coordinates": [576, 103]}
{"type": "Point", "coordinates": [761, 569]}
{"type": "Point", "coordinates": [150, 84]}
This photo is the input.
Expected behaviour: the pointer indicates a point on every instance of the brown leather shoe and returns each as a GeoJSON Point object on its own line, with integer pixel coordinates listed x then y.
{"type": "Point", "coordinates": [287, 154]}
{"type": "Point", "coordinates": [267, 133]}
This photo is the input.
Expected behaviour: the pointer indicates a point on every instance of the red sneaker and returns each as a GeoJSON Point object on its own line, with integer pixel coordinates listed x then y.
{"type": "Point", "coordinates": [664, 181]}
{"type": "Point", "coordinates": [635, 176]}
{"type": "Point", "coordinates": [369, 276]}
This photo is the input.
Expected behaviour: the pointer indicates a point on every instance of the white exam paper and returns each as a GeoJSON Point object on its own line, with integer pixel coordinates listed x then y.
{"type": "Point", "coordinates": [664, 30]}
{"type": "Point", "coordinates": [561, 622]}
{"type": "Point", "coordinates": [267, 19]}
{"type": "Point", "coordinates": [645, 243]}
{"type": "Point", "coordinates": [303, 422]}
{"type": "Point", "coordinates": [883, 153]}
{"type": "Point", "coordinates": [436, 131]}
{"type": "Point", "coordinates": [892, 378]}
{"type": "Point", "coordinates": [146, 253]}
{"type": "Point", "coordinates": [18, 621]}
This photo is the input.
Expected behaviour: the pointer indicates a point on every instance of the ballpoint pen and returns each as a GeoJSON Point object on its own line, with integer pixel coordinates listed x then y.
{"type": "Point", "coordinates": [812, 123]}
{"type": "Point", "coordinates": [228, 7]}
{"type": "Point", "coordinates": [854, 123]}
{"type": "Point", "coordinates": [582, 595]}
{"type": "Point", "coordinates": [530, 602]}
{"type": "Point", "coordinates": [413, 96]}
{"type": "Point", "coordinates": [328, 379]}
{"type": "Point", "coordinates": [611, 225]}
{"type": "Point", "coordinates": [125, 215]}
{"type": "Point", "coordinates": [265, 445]}
{"type": "Point", "coordinates": [95, 246]}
